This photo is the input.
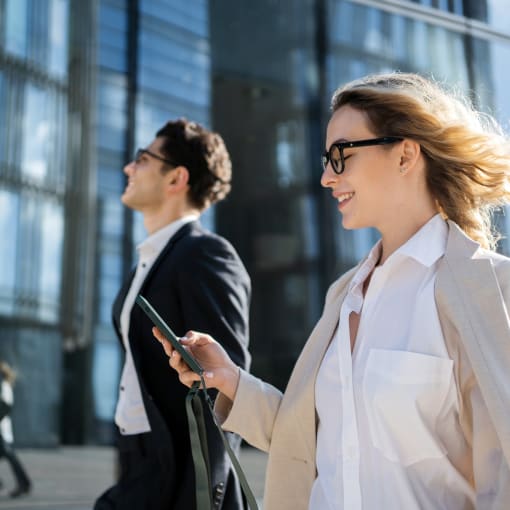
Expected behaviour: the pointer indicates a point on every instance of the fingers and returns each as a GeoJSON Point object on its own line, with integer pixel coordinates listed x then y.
{"type": "Point", "coordinates": [186, 375]}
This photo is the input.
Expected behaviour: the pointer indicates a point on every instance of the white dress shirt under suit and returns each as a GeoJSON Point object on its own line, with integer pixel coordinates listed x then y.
{"type": "Point", "coordinates": [130, 414]}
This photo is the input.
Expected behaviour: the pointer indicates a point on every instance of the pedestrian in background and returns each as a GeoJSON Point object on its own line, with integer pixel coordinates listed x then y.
{"type": "Point", "coordinates": [401, 396]}
{"type": "Point", "coordinates": [193, 278]}
{"type": "Point", "coordinates": [23, 484]}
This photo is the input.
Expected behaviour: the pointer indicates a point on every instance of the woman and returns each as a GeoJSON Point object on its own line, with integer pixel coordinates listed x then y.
{"type": "Point", "coordinates": [400, 398]}
{"type": "Point", "coordinates": [7, 379]}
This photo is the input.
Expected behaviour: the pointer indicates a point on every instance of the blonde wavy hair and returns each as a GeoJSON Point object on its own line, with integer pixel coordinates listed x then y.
{"type": "Point", "coordinates": [7, 372]}
{"type": "Point", "coordinates": [466, 152]}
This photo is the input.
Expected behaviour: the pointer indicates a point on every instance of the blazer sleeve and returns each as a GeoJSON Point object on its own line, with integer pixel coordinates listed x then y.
{"type": "Point", "coordinates": [252, 413]}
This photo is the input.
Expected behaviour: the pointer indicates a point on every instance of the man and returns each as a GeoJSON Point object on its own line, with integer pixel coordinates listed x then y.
{"type": "Point", "coordinates": [195, 280]}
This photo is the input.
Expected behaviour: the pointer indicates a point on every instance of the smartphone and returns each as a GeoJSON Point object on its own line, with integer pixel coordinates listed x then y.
{"type": "Point", "coordinates": [168, 333]}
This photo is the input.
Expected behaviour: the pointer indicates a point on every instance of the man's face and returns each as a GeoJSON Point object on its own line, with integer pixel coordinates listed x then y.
{"type": "Point", "coordinates": [146, 186]}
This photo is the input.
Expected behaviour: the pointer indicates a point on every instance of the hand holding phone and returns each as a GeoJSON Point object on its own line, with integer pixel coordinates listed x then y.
{"type": "Point", "coordinates": [169, 334]}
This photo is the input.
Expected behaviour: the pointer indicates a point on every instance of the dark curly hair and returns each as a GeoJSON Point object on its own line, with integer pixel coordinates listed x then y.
{"type": "Point", "coordinates": [205, 156]}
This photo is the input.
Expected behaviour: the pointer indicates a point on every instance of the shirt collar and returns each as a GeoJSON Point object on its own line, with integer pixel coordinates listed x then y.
{"type": "Point", "coordinates": [154, 244]}
{"type": "Point", "coordinates": [428, 244]}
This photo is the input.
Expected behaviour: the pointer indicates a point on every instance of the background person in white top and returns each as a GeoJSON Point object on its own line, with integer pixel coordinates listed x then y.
{"type": "Point", "coordinates": [400, 397]}
{"type": "Point", "coordinates": [7, 380]}
{"type": "Point", "coordinates": [193, 278]}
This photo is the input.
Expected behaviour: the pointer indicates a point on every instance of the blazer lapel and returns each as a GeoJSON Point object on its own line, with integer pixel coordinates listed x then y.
{"type": "Point", "coordinates": [300, 393]}
{"type": "Point", "coordinates": [469, 295]}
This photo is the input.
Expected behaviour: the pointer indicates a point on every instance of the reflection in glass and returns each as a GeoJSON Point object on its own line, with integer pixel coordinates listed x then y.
{"type": "Point", "coordinates": [50, 259]}
{"type": "Point", "coordinates": [16, 27]}
{"type": "Point", "coordinates": [36, 134]}
{"type": "Point", "coordinates": [105, 378]}
{"type": "Point", "coordinates": [3, 119]}
{"type": "Point", "coordinates": [9, 203]}
{"type": "Point", "coordinates": [58, 37]}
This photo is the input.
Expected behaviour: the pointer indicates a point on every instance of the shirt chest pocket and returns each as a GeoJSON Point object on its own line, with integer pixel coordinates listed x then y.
{"type": "Point", "coordinates": [404, 393]}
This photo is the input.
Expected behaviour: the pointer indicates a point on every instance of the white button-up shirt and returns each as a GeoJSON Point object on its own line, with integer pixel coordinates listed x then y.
{"type": "Point", "coordinates": [130, 415]}
{"type": "Point", "coordinates": [388, 411]}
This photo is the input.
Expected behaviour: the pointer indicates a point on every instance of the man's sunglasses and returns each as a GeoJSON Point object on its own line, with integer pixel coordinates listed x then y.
{"type": "Point", "coordinates": [335, 154]}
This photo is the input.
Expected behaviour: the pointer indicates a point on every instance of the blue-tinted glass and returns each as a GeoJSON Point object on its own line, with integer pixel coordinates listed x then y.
{"type": "Point", "coordinates": [501, 78]}
{"type": "Point", "coordinates": [38, 36]}
{"type": "Point", "coordinates": [208, 218]}
{"type": "Point", "coordinates": [112, 111]}
{"type": "Point", "coordinates": [152, 113]}
{"type": "Point", "coordinates": [457, 7]}
{"type": "Point", "coordinates": [50, 259]}
{"type": "Point", "coordinates": [111, 181]}
{"type": "Point", "coordinates": [9, 210]}
{"type": "Point", "coordinates": [105, 378]}
{"type": "Point", "coordinates": [498, 14]}
{"type": "Point", "coordinates": [111, 216]}
{"type": "Point", "coordinates": [112, 37]}
{"type": "Point", "coordinates": [3, 119]}
{"type": "Point", "coordinates": [16, 27]}
{"type": "Point", "coordinates": [108, 289]}
{"type": "Point", "coordinates": [37, 134]}
{"type": "Point", "coordinates": [180, 13]}
{"type": "Point", "coordinates": [59, 21]}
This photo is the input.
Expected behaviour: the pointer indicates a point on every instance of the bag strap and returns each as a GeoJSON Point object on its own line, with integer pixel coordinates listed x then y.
{"type": "Point", "coordinates": [200, 452]}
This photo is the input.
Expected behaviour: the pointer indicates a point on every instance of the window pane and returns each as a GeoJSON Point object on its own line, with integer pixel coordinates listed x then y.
{"type": "Point", "coordinates": [105, 378]}
{"type": "Point", "coordinates": [3, 119]}
{"type": "Point", "coordinates": [50, 260]}
{"type": "Point", "coordinates": [58, 36]}
{"type": "Point", "coordinates": [16, 27]}
{"type": "Point", "coordinates": [36, 134]}
{"type": "Point", "coordinates": [9, 208]}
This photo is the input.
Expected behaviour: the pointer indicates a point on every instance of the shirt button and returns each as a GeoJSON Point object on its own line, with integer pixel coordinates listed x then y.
{"type": "Point", "coordinates": [122, 388]}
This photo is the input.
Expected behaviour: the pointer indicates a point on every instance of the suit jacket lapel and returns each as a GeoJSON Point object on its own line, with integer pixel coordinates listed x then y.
{"type": "Point", "coordinates": [181, 233]}
{"type": "Point", "coordinates": [119, 301]}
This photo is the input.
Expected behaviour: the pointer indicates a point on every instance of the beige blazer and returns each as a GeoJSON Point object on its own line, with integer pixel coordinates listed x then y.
{"type": "Point", "coordinates": [473, 299]}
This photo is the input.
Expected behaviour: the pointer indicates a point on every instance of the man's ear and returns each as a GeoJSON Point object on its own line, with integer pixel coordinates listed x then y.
{"type": "Point", "coordinates": [178, 178]}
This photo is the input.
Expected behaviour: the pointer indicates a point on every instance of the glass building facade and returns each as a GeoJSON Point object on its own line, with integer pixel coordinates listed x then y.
{"type": "Point", "coordinates": [83, 84]}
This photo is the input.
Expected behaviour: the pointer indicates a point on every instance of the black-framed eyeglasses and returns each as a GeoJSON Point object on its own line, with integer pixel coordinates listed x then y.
{"type": "Point", "coordinates": [335, 154]}
{"type": "Point", "coordinates": [140, 152]}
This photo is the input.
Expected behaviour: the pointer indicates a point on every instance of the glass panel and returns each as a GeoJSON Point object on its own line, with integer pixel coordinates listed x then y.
{"type": "Point", "coordinates": [112, 47]}
{"type": "Point", "coordinates": [58, 36]}
{"type": "Point", "coordinates": [112, 98]}
{"type": "Point", "coordinates": [9, 210]}
{"type": "Point", "coordinates": [105, 378]}
{"type": "Point", "coordinates": [498, 14]}
{"type": "Point", "coordinates": [50, 259]}
{"type": "Point", "coordinates": [501, 78]}
{"type": "Point", "coordinates": [3, 119]}
{"type": "Point", "coordinates": [26, 270]}
{"type": "Point", "coordinates": [16, 27]}
{"type": "Point", "coordinates": [36, 134]}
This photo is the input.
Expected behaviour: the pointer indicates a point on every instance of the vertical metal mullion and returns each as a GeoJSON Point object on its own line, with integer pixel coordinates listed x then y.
{"type": "Point", "coordinates": [131, 97]}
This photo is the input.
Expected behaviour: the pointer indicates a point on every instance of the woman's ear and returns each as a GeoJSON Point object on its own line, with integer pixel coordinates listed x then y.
{"type": "Point", "coordinates": [409, 155]}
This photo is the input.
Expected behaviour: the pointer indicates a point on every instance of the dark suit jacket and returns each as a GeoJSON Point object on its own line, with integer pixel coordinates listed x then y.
{"type": "Point", "coordinates": [198, 282]}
